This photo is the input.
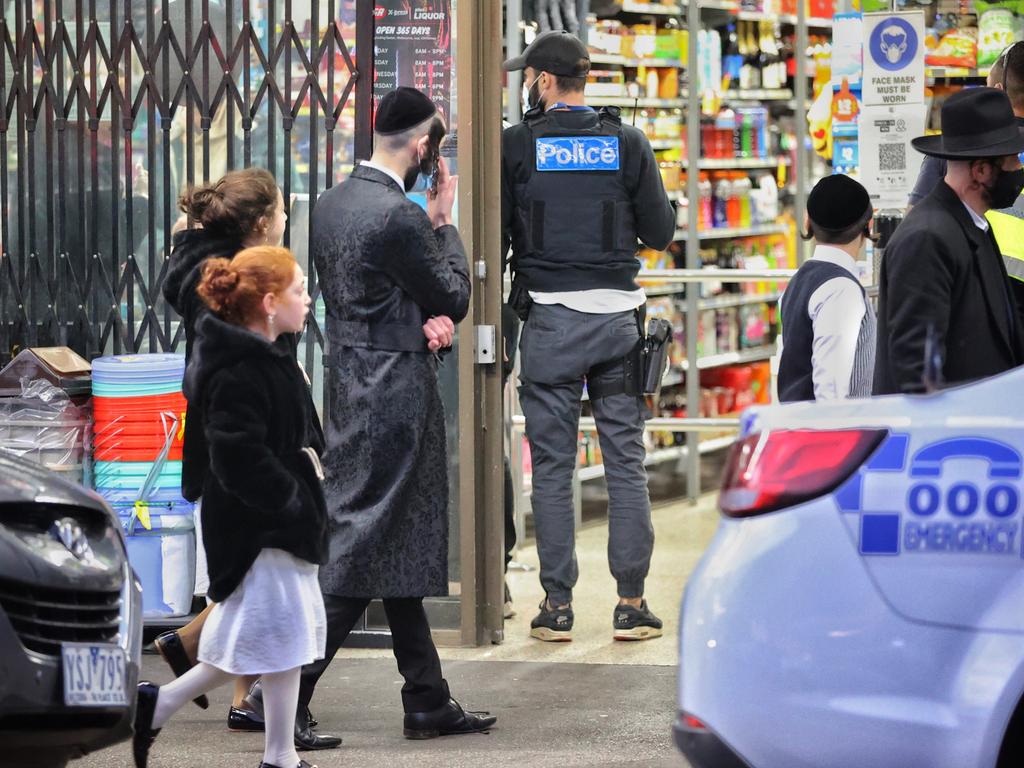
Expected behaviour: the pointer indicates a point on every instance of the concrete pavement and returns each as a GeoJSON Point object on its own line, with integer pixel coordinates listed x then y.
{"type": "Point", "coordinates": [550, 714]}
{"type": "Point", "coordinates": [593, 702]}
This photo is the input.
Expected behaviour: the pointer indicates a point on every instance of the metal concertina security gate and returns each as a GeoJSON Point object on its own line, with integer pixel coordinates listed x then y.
{"type": "Point", "coordinates": [109, 109]}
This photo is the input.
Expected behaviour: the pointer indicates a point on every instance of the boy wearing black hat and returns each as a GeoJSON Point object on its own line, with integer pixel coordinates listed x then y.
{"type": "Point", "coordinates": [943, 285]}
{"type": "Point", "coordinates": [828, 323]}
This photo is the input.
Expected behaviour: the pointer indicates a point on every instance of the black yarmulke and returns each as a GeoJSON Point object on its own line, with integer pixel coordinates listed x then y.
{"type": "Point", "coordinates": [401, 109]}
{"type": "Point", "coordinates": [838, 202]}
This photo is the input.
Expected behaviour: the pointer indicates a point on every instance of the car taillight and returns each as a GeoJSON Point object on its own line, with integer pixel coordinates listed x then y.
{"type": "Point", "coordinates": [767, 471]}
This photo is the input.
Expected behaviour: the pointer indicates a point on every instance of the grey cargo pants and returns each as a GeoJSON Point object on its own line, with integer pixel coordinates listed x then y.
{"type": "Point", "coordinates": [558, 348]}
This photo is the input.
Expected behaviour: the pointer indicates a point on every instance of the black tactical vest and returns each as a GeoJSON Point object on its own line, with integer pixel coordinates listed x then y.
{"type": "Point", "coordinates": [574, 226]}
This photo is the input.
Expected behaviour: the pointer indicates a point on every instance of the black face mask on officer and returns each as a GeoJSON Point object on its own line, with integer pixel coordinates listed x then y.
{"type": "Point", "coordinates": [1004, 191]}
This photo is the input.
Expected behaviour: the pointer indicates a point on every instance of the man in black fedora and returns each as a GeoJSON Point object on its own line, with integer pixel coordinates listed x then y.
{"type": "Point", "coordinates": [942, 276]}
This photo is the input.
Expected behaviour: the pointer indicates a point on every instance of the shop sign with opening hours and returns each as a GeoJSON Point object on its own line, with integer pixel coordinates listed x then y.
{"type": "Point", "coordinates": [893, 59]}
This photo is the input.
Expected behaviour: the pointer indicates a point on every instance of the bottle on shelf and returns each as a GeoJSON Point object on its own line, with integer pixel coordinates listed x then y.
{"type": "Point", "coordinates": [722, 195]}
{"type": "Point", "coordinates": [732, 61]}
{"type": "Point", "coordinates": [707, 218]}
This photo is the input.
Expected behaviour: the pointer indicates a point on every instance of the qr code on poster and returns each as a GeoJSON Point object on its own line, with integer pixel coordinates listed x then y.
{"type": "Point", "coordinates": [892, 157]}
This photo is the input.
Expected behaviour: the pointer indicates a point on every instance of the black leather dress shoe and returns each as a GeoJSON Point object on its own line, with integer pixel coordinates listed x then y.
{"type": "Point", "coordinates": [447, 720]}
{"type": "Point", "coordinates": [169, 646]}
{"type": "Point", "coordinates": [302, 764]}
{"type": "Point", "coordinates": [145, 734]}
{"type": "Point", "coordinates": [240, 719]}
{"type": "Point", "coordinates": [306, 739]}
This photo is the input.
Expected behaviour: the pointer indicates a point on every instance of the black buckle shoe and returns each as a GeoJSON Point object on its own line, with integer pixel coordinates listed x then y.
{"type": "Point", "coordinates": [245, 720]}
{"type": "Point", "coordinates": [447, 720]}
{"type": "Point", "coordinates": [145, 734]}
{"type": "Point", "coordinates": [631, 623]}
{"type": "Point", "coordinates": [169, 646]}
{"type": "Point", "coordinates": [552, 625]}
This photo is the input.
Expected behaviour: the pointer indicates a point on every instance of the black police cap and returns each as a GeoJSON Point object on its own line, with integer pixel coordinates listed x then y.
{"type": "Point", "coordinates": [557, 52]}
{"type": "Point", "coordinates": [402, 109]}
{"type": "Point", "coordinates": [837, 202]}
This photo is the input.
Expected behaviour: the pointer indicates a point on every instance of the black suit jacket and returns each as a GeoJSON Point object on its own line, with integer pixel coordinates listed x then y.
{"type": "Point", "coordinates": [940, 270]}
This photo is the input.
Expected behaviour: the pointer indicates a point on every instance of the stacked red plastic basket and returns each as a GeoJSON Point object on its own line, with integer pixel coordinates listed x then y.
{"type": "Point", "coordinates": [139, 416]}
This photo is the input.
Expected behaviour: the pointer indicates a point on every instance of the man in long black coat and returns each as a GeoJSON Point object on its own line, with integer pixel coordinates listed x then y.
{"type": "Point", "coordinates": [386, 268]}
{"type": "Point", "coordinates": [942, 274]}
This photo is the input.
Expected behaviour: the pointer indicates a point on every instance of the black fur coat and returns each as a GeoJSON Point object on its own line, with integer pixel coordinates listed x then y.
{"type": "Point", "coordinates": [263, 488]}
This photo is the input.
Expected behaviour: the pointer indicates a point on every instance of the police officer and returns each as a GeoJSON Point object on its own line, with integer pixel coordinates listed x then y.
{"type": "Point", "coordinates": [578, 189]}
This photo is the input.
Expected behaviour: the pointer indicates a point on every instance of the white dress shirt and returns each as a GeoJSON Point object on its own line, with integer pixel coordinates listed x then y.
{"type": "Point", "coordinates": [980, 221]}
{"type": "Point", "coordinates": [388, 171]}
{"type": "Point", "coordinates": [597, 301]}
{"type": "Point", "coordinates": [836, 310]}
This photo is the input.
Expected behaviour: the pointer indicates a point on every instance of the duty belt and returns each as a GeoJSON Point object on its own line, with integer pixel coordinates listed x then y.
{"type": "Point", "coordinates": [382, 336]}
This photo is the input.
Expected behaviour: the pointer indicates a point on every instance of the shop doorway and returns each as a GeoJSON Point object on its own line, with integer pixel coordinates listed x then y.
{"type": "Point", "coordinates": [109, 108]}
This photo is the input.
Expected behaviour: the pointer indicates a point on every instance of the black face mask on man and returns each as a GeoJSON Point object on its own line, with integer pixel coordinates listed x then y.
{"type": "Point", "coordinates": [1004, 191]}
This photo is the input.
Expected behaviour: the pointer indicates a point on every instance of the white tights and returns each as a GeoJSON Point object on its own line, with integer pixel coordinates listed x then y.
{"type": "Point", "coordinates": [280, 700]}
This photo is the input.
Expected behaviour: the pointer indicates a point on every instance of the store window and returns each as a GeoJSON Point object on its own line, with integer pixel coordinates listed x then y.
{"type": "Point", "coordinates": [104, 118]}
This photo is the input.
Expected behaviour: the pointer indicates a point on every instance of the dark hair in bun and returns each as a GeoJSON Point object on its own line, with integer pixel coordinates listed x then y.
{"type": "Point", "coordinates": [234, 289]}
{"type": "Point", "coordinates": [233, 205]}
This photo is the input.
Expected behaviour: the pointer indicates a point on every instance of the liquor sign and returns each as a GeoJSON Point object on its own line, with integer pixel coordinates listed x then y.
{"type": "Point", "coordinates": [413, 46]}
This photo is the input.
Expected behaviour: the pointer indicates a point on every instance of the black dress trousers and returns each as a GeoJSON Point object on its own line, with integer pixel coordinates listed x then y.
{"type": "Point", "coordinates": [425, 688]}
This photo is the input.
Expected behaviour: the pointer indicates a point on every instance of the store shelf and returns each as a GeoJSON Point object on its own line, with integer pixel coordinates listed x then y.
{"type": "Point", "coordinates": [737, 163]}
{"type": "Point", "coordinates": [724, 301]}
{"type": "Point", "coordinates": [718, 5]}
{"type": "Point", "coordinates": [955, 72]}
{"type": "Point", "coordinates": [738, 300]}
{"type": "Point", "coordinates": [625, 101]}
{"type": "Point", "coordinates": [784, 18]}
{"type": "Point", "coordinates": [760, 94]}
{"type": "Point", "coordinates": [726, 233]}
{"type": "Point", "coordinates": [650, 9]}
{"type": "Point", "coordinates": [662, 144]}
{"type": "Point", "coordinates": [732, 358]}
{"type": "Point", "coordinates": [610, 59]}
{"type": "Point", "coordinates": [662, 455]}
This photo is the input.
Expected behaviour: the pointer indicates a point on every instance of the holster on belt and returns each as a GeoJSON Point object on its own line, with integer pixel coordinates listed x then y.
{"type": "Point", "coordinates": [642, 368]}
{"type": "Point", "coordinates": [519, 299]}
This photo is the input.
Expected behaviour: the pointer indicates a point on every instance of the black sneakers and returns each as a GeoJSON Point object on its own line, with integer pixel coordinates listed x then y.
{"type": "Point", "coordinates": [552, 625]}
{"type": "Point", "coordinates": [631, 623]}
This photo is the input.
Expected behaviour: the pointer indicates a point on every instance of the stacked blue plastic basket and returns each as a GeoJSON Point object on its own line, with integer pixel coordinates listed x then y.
{"type": "Point", "coordinates": [139, 412]}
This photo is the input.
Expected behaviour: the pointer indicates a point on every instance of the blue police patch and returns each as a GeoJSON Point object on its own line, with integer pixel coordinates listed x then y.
{"type": "Point", "coordinates": [578, 153]}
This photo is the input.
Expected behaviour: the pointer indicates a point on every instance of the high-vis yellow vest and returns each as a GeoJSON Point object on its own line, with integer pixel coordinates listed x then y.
{"type": "Point", "coordinates": [1008, 229]}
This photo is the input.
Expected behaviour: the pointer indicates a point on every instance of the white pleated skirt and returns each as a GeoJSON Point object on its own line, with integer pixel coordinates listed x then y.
{"type": "Point", "coordinates": [274, 621]}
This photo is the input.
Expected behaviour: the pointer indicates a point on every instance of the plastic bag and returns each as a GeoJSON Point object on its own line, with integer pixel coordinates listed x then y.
{"type": "Point", "coordinates": [958, 48]}
{"type": "Point", "coordinates": [997, 29]}
{"type": "Point", "coordinates": [44, 426]}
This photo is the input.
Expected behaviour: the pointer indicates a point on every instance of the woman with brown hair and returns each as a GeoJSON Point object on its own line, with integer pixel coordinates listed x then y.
{"type": "Point", "coordinates": [244, 208]}
{"type": "Point", "coordinates": [262, 448]}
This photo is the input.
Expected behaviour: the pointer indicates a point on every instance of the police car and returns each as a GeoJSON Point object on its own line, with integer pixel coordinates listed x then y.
{"type": "Point", "coordinates": [862, 602]}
